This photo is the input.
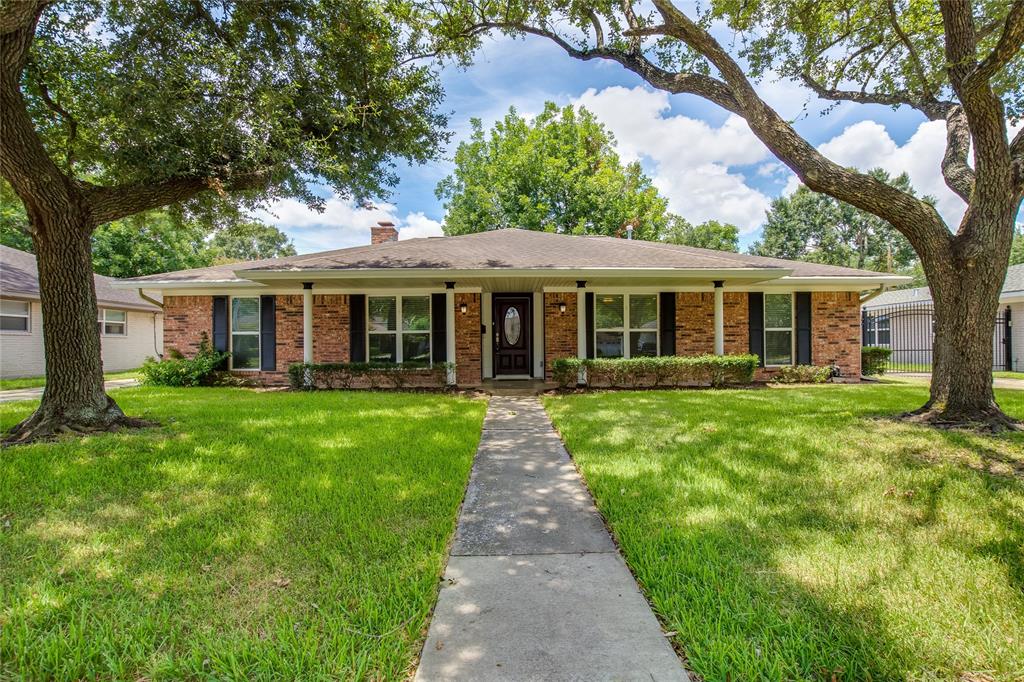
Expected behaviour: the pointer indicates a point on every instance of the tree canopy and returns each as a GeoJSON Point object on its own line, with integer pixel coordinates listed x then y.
{"type": "Point", "coordinates": [710, 234]}
{"type": "Point", "coordinates": [816, 227]}
{"type": "Point", "coordinates": [558, 173]}
{"type": "Point", "coordinates": [111, 109]}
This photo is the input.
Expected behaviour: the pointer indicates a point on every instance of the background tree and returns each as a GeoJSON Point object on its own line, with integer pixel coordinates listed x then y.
{"type": "Point", "coordinates": [110, 109]}
{"type": "Point", "coordinates": [556, 173]}
{"type": "Point", "coordinates": [1017, 248]}
{"type": "Point", "coordinates": [250, 240]}
{"type": "Point", "coordinates": [710, 234]}
{"type": "Point", "coordinates": [955, 61]}
{"type": "Point", "coordinates": [819, 228]}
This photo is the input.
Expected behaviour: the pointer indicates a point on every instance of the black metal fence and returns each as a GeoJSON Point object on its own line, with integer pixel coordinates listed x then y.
{"type": "Point", "coordinates": [908, 329]}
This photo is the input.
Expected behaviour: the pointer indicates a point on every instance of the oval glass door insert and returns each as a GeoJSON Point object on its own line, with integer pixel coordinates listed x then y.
{"type": "Point", "coordinates": [513, 326]}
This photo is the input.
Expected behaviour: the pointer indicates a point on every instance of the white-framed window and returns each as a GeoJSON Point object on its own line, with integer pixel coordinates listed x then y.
{"type": "Point", "coordinates": [15, 316]}
{"type": "Point", "coordinates": [113, 322]}
{"type": "Point", "coordinates": [778, 330]}
{"type": "Point", "coordinates": [245, 332]}
{"type": "Point", "coordinates": [625, 325]}
{"type": "Point", "coordinates": [398, 329]}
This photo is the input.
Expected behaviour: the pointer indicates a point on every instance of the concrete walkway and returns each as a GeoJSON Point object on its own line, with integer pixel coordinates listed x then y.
{"type": "Point", "coordinates": [37, 393]}
{"type": "Point", "coordinates": [535, 589]}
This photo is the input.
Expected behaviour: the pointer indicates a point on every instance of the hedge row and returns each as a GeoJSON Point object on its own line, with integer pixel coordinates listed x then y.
{"type": "Point", "coordinates": [332, 375]}
{"type": "Point", "coordinates": [177, 370]}
{"type": "Point", "coordinates": [803, 374]}
{"type": "Point", "coordinates": [873, 360]}
{"type": "Point", "coordinates": [713, 370]}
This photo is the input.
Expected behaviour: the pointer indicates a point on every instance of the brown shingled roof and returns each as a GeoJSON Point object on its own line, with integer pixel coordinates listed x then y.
{"type": "Point", "coordinates": [510, 249]}
{"type": "Point", "coordinates": [19, 277]}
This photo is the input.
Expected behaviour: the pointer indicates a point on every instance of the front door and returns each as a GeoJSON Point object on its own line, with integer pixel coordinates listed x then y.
{"type": "Point", "coordinates": [511, 335]}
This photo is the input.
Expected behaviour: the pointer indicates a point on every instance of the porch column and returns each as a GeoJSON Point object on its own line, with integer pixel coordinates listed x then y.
{"type": "Point", "coordinates": [449, 304]}
{"type": "Point", "coordinates": [719, 321]}
{"type": "Point", "coordinates": [581, 325]}
{"type": "Point", "coordinates": [307, 322]}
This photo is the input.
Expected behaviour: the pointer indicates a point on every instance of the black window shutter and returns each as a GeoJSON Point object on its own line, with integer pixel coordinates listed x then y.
{"type": "Point", "coordinates": [220, 327]}
{"type": "Point", "coordinates": [667, 315]}
{"type": "Point", "coordinates": [588, 320]}
{"type": "Point", "coordinates": [439, 327]}
{"type": "Point", "coordinates": [803, 328]}
{"type": "Point", "coordinates": [268, 333]}
{"type": "Point", "coordinates": [357, 327]}
{"type": "Point", "coordinates": [755, 315]}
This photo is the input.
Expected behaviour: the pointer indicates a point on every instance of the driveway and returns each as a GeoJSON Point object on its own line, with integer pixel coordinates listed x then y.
{"type": "Point", "coordinates": [37, 393]}
{"type": "Point", "coordinates": [535, 588]}
{"type": "Point", "coordinates": [997, 382]}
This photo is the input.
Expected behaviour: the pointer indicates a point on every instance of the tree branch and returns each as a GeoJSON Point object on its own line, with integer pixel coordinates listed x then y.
{"type": "Point", "coordinates": [112, 203]}
{"type": "Point", "coordinates": [958, 176]}
{"type": "Point", "coordinates": [915, 58]}
{"type": "Point", "coordinates": [678, 83]}
{"type": "Point", "coordinates": [935, 110]}
{"type": "Point", "coordinates": [44, 93]}
{"type": "Point", "coordinates": [1009, 44]}
{"type": "Point", "coordinates": [1017, 154]}
{"type": "Point", "coordinates": [916, 219]}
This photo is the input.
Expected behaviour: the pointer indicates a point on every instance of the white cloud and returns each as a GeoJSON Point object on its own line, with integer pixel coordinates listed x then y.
{"type": "Point", "coordinates": [691, 158]}
{"type": "Point", "coordinates": [342, 223]}
{"type": "Point", "coordinates": [867, 145]}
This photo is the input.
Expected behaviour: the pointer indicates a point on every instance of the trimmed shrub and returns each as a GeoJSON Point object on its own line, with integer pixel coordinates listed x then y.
{"type": "Point", "coordinates": [177, 370]}
{"type": "Point", "coordinates": [802, 374]}
{"type": "Point", "coordinates": [345, 375]}
{"type": "Point", "coordinates": [673, 370]}
{"type": "Point", "coordinates": [873, 360]}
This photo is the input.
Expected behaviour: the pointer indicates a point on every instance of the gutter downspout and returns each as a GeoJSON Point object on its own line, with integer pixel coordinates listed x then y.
{"type": "Point", "coordinates": [872, 294]}
{"type": "Point", "coordinates": [160, 305]}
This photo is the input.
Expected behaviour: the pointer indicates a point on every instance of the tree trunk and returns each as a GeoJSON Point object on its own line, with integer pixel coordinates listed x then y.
{"type": "Point", "coordinates": [965, 292]}
{"type": "Point", "coordinates": [74, 398]}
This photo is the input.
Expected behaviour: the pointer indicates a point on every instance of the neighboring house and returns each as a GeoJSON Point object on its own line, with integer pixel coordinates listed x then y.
{"type": "Point", "coordinates": [507, 303]}
{"type": "Point", "coordinates": [903, 320]}
{"type": "Point", "coordinates": [131, 329]}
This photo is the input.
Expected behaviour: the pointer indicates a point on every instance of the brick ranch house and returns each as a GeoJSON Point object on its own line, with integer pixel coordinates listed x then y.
{"type": "Point", "coordinates": [507, 303]}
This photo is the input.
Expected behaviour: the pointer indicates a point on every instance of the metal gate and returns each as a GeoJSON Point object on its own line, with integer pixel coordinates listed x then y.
{"type": "Point", "coordinates": [908, 329]}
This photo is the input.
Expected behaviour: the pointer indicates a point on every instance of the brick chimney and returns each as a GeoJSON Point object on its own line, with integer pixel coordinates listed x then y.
{"type": "Point", "coordinates": [383, 232]}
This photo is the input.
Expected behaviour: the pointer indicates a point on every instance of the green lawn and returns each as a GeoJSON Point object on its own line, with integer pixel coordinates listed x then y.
{"type": "Point", "coordinates": [252, 536]}
{"type": "Point", "coordinates": [36, 382]}
{"type": "Point", "coordinates": [1008, 375]}
{"type": "Point", "coordinates": [789, 534]}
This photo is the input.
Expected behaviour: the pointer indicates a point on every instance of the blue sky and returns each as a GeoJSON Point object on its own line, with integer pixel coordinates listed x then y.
{"type": "Point", "coordinates": [705, 161]}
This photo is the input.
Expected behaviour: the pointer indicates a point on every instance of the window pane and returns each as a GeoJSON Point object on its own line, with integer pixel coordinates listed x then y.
{"type": "Point", "coordinates": [513, 326]}
{"type": "Point", "coordinates": [643, 343]}
{"type": "Point", "coordinates": [643, 311]}
{"type": "Point", "coordinates": [608, 311]}
{"type": "Point", "coordinates": [778, 310]}
{"type": "Point", "coordinates": [13, 324]}
{"type": "Point", "coordinates": [382, 314]}
{"type": "Point", "coordinates": [115, 315]}
{"type": "Point", "coordinates": [416, 313]}
{"type": "Point", "coordinates": [382, 348]}
{"type": "Point", "coordinates": [609, 345]}
{"type": "Point", "coordinates": [14, 307]}
{"type": "Point", "coordinates": [113, 328]}
{"type": "Point", "coordinates": [416, 348]}
{"type": "Point", "coordinates": [245, 314]}
{"type": "Point", "coordinates": [245, 351]}
{"type": "Point", "coordinates": [778, 348]}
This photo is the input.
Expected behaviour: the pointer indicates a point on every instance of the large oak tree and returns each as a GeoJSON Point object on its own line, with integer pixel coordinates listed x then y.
{"type": "Point", "coordinates": [113, 107]}
{"type": "Point", "coordinates": [955, 61]}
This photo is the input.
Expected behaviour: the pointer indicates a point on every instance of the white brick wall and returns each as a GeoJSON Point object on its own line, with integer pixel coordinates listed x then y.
{"type": "Point", "coordinates": [21, 354]}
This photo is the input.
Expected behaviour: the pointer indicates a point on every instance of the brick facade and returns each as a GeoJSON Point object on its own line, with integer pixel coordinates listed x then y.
{"type": "Point", "coordinates": [186, 319]}
{"type": "Point", "coordinates": [468, 341]}
{"type": "Point", "coordinates": [835, 330]}
{"type": "Point", "coordinates": [330, 328]}
{"type": "Point", "coordinates": [559, 328]}
{"type": "Point", "coordinates": [835, 334]}
{"type": "Point", "coordinates": [695, 323]}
